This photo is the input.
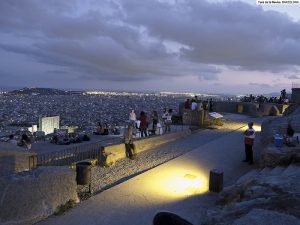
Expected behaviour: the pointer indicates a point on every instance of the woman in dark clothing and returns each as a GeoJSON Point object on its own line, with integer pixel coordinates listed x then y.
{"type": "Point", "coordinates": [144, 124]}
{"type": "Point", "coordinates": [154, 121]}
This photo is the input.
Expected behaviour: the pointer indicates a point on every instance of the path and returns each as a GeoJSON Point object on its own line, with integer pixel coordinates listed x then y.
{"type": "Point", "coordinates": [136, 201]}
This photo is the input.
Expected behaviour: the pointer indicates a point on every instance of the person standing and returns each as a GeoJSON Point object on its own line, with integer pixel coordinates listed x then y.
{"type": "Point", "coordinates": [129, 142]}
{"type": "Point", "coordinates": [154, 121]}
{"type": "Point", "coordinates": [144, 124]}
{"type": "Point", "coordinates": [249, 136]}
{"type": "Point", "coordinates": [132, 117]}
{"type": "Point", "coordinates": [168, 121]}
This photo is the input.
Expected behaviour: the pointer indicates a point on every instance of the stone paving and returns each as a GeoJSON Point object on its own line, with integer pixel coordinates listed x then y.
{"type": "Point", "coordinates": [136, 200]}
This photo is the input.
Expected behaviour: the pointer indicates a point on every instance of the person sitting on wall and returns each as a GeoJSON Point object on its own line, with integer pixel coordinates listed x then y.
{"type": "Point", "coordinates": [289, 138]}
{"type": "Point", "coordinates": [12, 140]}
{"type": "Point", "coordinates": [26, 141]}
{"type": "Point", "coordinates": [99, 129]}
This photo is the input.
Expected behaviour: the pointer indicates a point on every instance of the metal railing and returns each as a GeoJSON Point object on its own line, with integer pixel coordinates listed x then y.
{"type": "Point", "coordinates": [71, 155]}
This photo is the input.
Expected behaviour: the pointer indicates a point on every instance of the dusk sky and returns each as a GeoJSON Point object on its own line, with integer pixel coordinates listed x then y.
{"type": "Point", "coordinates": [234, 47]}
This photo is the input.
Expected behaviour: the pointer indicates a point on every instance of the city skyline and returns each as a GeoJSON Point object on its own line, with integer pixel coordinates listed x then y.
{"type": "Point", "coordinates": [235, 47]}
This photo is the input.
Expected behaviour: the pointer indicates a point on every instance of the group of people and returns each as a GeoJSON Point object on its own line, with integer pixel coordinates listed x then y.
{"type": "Point", "coordinates": [142, 124]}
{"type": "Point", "coordinates": [143, 121]}
{"type": "Point", "coordinates": [105, 129]}
{"type": "Point", "coordinates": [198, 104]}
{"type": "Point", "coordinates": [25, 141]}
{"type": "Point", "coordinates": [282, 99]}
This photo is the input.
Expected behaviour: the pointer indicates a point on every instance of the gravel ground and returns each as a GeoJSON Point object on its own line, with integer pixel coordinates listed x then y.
{"type": "Point", "coordinates": [106, 177]}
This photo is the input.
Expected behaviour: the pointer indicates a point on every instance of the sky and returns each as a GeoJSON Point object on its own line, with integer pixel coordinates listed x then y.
{"type": "Point", "coordinates": [236, 47]}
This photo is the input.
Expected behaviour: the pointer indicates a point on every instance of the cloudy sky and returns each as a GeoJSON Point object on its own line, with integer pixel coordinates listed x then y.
{"type": "Point", "coordinates": [154, 45]}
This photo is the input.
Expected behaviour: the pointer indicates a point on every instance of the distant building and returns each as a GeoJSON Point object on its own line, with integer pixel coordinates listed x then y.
{"type": "Point", "coordinates": [48, 124]}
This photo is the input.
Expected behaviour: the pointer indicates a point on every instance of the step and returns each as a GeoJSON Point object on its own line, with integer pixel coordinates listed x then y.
{"type": "Point", "coordinates": [277, 170]}
{"type": "Point", "coordinates": [291, 169]}
{"type": "Point", "coordinates": [246, 176]}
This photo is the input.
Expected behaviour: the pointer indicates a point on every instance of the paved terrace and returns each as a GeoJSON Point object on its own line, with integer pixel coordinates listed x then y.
{"type": "Point", "coordinates": [137, 200]}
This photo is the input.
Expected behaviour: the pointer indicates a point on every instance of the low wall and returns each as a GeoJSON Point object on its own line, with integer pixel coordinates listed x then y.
{"type": "Point", "coordinates": [15, 159]}
{"type": "Point", "coordinates": [28, 197]}
{"type": "Point", "coordinates": [115, 152]}
{"type": "Point", "coordinates": [250, 108]}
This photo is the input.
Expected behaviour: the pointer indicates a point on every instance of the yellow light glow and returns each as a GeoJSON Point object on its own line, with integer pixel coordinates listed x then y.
{"type": "Point", "coordinates": [178, 183]}
{"type": "Point", "coordinates": [257, 128]}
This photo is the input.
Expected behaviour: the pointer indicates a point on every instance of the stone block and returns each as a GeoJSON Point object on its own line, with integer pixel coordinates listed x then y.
{"type": "Point", "coordinates": [31, 196]}
{"type": "Point", "coordinates": [23, 160]}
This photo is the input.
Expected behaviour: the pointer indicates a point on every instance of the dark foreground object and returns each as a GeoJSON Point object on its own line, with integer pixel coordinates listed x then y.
{"type": "Point", "coordinates": [83, 173]}
{"type": "Point", "coordinates": [167, 218]}
{"type": "Point", "coordinates": [216, 180]}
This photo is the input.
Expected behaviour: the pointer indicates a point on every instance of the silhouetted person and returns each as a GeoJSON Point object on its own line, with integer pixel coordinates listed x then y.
{"type": "Point", "coordinates": [25, 140]}
{"type": "Point", "coordinates": [187, 104]}
{"type": "Point", "coordinates": [154, 121]}
{"type": "Point", "coordinates": [143, 124]}
{"type": "Point", "coordinates": [128, 141]}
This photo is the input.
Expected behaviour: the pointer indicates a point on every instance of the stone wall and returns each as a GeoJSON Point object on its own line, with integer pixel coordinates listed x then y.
{"type": "Point", "coordinates": [115, 152]}
{"type": "Point", "coordinates": [28, 197]}
{"type": "Point", "coordinates": [250, 108]}
{"type": "Point", "coordinates": [193, 117]}
{"type": "Point", "coordinates": [15, 159]}
{"type": "Point", "coordinates": [296, 95]}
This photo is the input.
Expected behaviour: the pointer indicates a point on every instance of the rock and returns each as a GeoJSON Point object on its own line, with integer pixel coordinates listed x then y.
{"type": "Point", "coordinates": [272, 156]}
{"type": "Point", "coordinates": [31, 196]}
{"type": "Point", "coordinates": [261, 216]}
{"type": "Point", "coordinates": [274, 189]}
{"type": "Point", "coordinates": [279, 125]}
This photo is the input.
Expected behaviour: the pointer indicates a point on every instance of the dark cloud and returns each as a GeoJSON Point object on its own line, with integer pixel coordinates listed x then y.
{"type": "Point", "coordinates": [262, 85]}
{"type": "Point", "coordinates": [142, 40]}
{"type": "Point", "coordinates": [293, 77]}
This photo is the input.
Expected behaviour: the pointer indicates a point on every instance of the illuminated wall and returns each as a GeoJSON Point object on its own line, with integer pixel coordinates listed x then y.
{"type": "Point", "coordinates": [48, 124]}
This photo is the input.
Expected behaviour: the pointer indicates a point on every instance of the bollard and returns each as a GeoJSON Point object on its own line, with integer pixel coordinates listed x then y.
{"type": "Point", "coordinates": [216, 180]}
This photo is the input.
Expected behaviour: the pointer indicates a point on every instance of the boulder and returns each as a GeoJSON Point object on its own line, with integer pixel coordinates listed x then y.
{"type": "Point", "coordinates": [275, 189]}
{"type": "Point", "coordinates": [28, 197]}
{"type": "Point", "coordinates": [261, 216]}
{"type": "Point", "coordinates": [272, 156]}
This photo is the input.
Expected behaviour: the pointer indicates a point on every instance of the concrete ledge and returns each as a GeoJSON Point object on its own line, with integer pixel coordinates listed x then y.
{"type": "Point", "coordinates": [15, 159]}
{"type": "Point", "coordinates": [115, 152]}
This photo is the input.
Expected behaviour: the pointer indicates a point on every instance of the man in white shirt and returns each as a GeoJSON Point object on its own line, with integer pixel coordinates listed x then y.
{"type": "Point", "coordinates": [249, 136]}
{"type": "Point", "coordinates": [194, 105]}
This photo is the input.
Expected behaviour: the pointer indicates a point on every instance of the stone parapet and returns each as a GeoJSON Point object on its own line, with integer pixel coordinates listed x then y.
{"type": "Point", "coordinates": [15, 159]}
{"type": "Point", "coordinates": [28, 197]}
{"type": "Point", "coordinates": [115, 152]}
